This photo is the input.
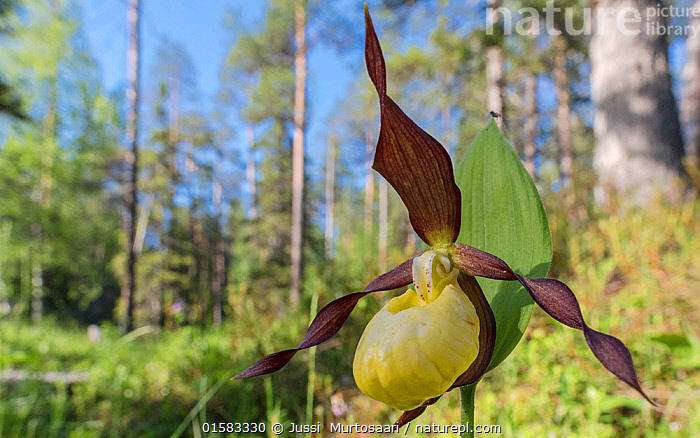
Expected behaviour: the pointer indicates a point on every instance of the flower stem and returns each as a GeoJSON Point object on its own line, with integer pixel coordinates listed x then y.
{"type": "Point", "coordinates": [468, 392]}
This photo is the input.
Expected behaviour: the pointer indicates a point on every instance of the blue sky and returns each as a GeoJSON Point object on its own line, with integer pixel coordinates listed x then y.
{"type": "Point", "coordinates": [199, 26]}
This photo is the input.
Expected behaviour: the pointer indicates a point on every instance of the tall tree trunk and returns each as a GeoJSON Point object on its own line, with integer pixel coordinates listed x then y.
{"type": "Point", "coordinates": [219, 261]}
{"type": "Point", "coordinates": [561, 80]}
{"type": "Point", "coordinates": [298, 150]}
{"type": "Point", "coordinates": [45, 185]}
{"type": "Point", "coordinates": [446, 116]}
{"type": "Point", "coordinates": [37, 291]}
{"type": "Point", "coordinates": [383, 224]}
{"type": "Point", "coordinates": [690, 104]}
{"type": "Point", "coordinates": [638, 139]}
{"type": "Point", "coordinates": [201, 261]}
{"type": "Point", "coordinates": [530, 122]}
{"type": "Point", "coordinates": [132, 97]}
{"type": "Point", "coordinates": [250, 170]}
{"type": "Point", "coordinates": [330, 195]}
{"type": "Point", "coordinates": [173, 134]}
{"type": "Point", "coordinates": [495, 82]}
{"type": "Point", "coordinates": [369, 180]}
{"type": "Point", "coordinates": [410, 238]}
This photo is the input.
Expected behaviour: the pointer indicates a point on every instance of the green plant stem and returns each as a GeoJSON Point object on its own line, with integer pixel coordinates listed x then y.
{"type": "Point", "coordinates": [468, 393]}
{"type": "Point", "coordinates": [201, 404]}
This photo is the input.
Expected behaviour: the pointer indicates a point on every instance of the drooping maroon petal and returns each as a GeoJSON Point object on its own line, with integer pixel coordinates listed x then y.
{"type": "Point", "coordinates": [415, 413]}
{"type": "Point", "coordinates": [414, 163]}
{"type": "Point", "coordinates": [555, 298]}
{"type": "Point", "coordinates": [487, 331]}
{"type": "Point", "coordinates": [268, 364]}
{"type": "Point", "coordinates": [400, 276]}
{"type": "Point", "coordinates": [330, 319]}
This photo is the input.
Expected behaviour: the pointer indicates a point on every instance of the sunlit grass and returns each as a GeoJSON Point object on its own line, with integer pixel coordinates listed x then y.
{"type": "Point", "coordinates": [636, 276]}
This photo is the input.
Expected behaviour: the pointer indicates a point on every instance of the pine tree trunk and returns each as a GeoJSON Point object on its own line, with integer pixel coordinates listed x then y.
{"type": "Point", "coordinates": [495, 83]}
{"type": "Point", "coordinates": [219, 261]}
{"type": "Point", "coordinates": [383, 223]}
{"type": "Point", "coordinates": [446, 117]}
{"type": "Point", "coordinates": [298, 151]}
{"type": "Point", "coordinates": [330, 195]}
{"type": "Point", "coordinates": [37, 292]}
{"type": "Point", "coordinates": [530, 123]}
{"type": "Point", "coordinates": [132, 97]}
{"type": "Point", "coordinates": [369, 181]}
{"type": "Point", "coordinates": [638, 139]}
{"type": "Point", "coordinates": [690, 105]}
{"type": "Point", "coordinates": [250, 171]}
{"type": "Point", "coordinates": [561, 80]}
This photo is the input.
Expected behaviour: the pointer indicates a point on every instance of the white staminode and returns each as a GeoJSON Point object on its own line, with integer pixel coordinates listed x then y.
{"type": "Point", "coordinates": [432, 271]}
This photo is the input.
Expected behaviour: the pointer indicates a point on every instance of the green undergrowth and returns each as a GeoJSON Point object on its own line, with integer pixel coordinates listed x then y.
{"type": "Point", "coordinates": [636, 276]}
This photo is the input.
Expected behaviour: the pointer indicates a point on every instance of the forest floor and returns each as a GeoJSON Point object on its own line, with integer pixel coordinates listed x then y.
{"type": "Point", "coordinates": [637, 277]}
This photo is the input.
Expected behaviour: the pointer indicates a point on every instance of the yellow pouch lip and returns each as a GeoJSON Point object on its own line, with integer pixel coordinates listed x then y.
{"type": "Point", "coordinates": [404, 301]}
{"type": "Point", "coordinates": [418, 344]}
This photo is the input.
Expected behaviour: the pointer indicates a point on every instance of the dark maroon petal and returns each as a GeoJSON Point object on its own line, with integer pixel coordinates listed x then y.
{"type": "Point", "coordinates": [414, 163]}
{"type": "Point", "coordinates": [555, 298]}
{"type": "Point", "coordinates": [487, 331]}
{"type": "Point", "coordinates": [268, 364]}
{"type": "Point", "coordinates": [615, 357]}
{"type": "Point", "coordinates": [480, 263]}
{"type": "Point", "coordinates": [400, 276]}
{"type": "Point", "coordinates": [331, 318]}
{"type": "Point", "coordinates": [415, 413]}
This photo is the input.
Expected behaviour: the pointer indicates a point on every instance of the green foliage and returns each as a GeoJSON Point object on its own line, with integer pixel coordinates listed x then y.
{"type": "Point", "coordinates": [635, 272]}
{"type": "Point", "coordinates": [502, 214]}
{"type": "Point", "coordinates": [144, 385]}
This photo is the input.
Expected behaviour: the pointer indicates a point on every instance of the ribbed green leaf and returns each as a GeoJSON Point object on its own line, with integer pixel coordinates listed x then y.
{"type": "Point", "coordinates": [502, 214]}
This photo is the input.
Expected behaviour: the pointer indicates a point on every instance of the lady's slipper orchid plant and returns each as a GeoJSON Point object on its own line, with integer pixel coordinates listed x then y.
{"type": "Point", "coordinates": [441, 335]}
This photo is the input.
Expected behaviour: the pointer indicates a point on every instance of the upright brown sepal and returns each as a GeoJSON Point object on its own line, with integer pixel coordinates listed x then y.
{"type": "Point", "coordinates": [414, 163]}
{"type": "Point", "coordinates": [555, 298]}
{"type": "Point", "coordinates": [374, 58]}
{"type": "Point", "coordinates": [330, 319]}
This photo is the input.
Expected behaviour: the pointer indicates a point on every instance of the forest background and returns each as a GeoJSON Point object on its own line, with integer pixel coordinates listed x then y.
{"type": "Point", "coordinates": [129, 299]}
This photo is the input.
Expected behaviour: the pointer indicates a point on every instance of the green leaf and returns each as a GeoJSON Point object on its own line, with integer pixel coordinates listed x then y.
{"type": "Point", "coordinates": [502, 214]}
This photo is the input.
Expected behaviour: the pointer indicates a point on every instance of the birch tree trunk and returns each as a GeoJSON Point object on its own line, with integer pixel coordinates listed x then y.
{"type": "Point", "coordinates": [132, 97]}
{"type": "Point", "coordinates": [638, 139]}
{"type": "Point", "coordinates": [690, 105]}
{"type": "Point", "coordinates": [298, 150]}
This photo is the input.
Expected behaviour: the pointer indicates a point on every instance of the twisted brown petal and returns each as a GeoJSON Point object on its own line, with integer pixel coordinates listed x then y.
{"type": "Point", "coordinates": [415, 413]}
{"type": "Point", "coordinates": [330, 319]}
{"type": "Point", "coordinates": [555, 298]}
{"type": "Point", "coordinates": [487, 331]}
{"type": "Point", "coordinates": [412, 161]}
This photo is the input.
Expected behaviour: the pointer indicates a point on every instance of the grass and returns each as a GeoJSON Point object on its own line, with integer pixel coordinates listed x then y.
{"type": "Point", "coordinates": [636, 277]}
